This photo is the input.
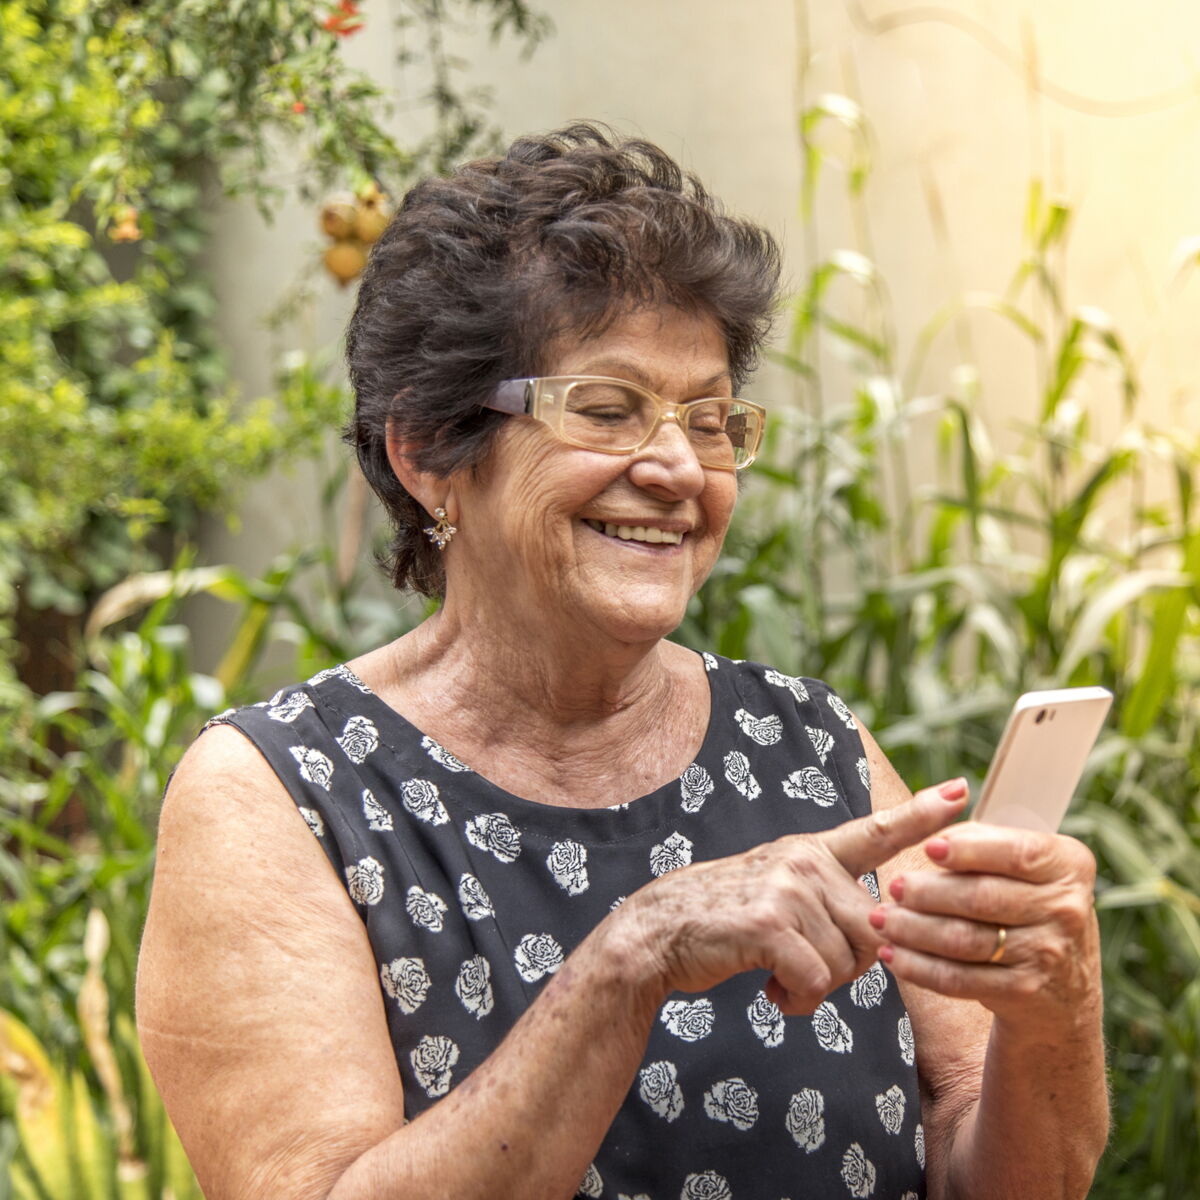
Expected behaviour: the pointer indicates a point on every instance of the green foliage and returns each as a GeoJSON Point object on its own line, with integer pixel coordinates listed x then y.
{"type": "Point", "coordinates": [1027, 556]}
{"type": "Point", "coordinates": [116, 412]}
{"type": "Point", "coordinates": [109, 746]}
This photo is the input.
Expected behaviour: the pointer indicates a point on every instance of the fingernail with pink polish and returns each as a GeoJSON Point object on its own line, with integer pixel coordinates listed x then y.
{"type": "Point", "coordinates": [937, 849]}
{"type": "Point", "coordinates": [896, 887]}
{"type": "Point", "coordinates": [886, 953]}
{"type": "Point", "coordinates": [952, 789]}
{"type": "Point", "coordinates": [876, 917]}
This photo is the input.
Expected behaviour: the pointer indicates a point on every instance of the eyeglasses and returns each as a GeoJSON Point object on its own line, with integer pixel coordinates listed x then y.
{"type": "Point", "coordinates": [618, 417]}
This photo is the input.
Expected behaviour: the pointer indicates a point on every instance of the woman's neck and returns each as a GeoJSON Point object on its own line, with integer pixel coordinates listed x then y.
{"type": "Point", "coordinates": [573, 724]}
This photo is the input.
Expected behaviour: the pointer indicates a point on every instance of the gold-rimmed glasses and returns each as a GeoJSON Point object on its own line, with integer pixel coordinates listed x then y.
{"type": "Point", "coordinates": [615, 416]}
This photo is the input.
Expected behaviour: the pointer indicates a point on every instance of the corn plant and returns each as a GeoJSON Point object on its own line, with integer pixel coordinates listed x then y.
{"type": "Point", "coordinates": [1036, 556]}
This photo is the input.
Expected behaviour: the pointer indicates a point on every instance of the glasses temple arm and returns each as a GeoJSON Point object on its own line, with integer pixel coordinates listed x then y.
{"type": "Point", "coordinates": [511, 396]}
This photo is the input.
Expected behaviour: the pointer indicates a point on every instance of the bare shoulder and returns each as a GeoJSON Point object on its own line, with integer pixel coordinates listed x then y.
{"type": "Point", "coordinates": [259, 1006]}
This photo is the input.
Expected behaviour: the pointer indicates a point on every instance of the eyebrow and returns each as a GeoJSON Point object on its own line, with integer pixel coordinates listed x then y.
{"type": "Point", "coordinates": [622, 369]}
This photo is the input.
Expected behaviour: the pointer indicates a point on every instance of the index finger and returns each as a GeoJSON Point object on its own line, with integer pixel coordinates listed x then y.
{"type": "Point", "coordinates": [861, 845]}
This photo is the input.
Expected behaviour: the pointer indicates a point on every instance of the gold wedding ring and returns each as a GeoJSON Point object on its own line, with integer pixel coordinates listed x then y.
{"type": "Point", "coordinates": [998, 950]}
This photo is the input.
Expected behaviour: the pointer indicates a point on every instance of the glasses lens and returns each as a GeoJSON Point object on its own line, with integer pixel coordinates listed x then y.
{"type": "Point", "coordinates": [606, 416]}
{"type": "Point", "coordinates": [723, 433]}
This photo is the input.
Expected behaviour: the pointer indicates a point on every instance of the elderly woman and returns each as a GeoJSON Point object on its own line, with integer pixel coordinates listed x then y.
{"type": "Point", "coordinates": [535, 903]}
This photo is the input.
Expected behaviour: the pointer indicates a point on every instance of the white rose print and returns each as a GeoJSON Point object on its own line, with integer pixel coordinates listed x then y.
{"type": "Point", "coordinates": [496, 834]}
{"type": "Point", "coordinates": [474, 901]}
{"type": "Point", "coordinates": [832, 1032]}
{"type": "Point", "coordinates": [364, 881]}
{"type": "Point", "coordinates": [871, 883]}
{"type": "Point", "coordinates": [421, 799]}
{"type": "Point", "coordinates": [293, 705]}
{"type": "Point", "coordinates": [908, 1049]}
{"type": "Point", "coordinates": [592, 1185]}
{"type": "Point", "coordinates": [474, 986]}
{"type": "Point", "coordinates": [733, 1101]}
{"type": "Point", "coordinates": [406, 981]}
{"type": "Point", "coordinates": [791, 682]}
{"type": "Point", "coordinates": [858, 1172]}
{"type": "Point", "coordinates": [811, 783]}
{"type": "Point", "coordinates": [708, 1185]}
{"type": "Point", "coordinates": [314, 821]}
{"type": "Point", "coordinates": [442, 756]}
{"type": "Point", "coordinates": [710, 662]}
{"type": "Point", "coordinates": [671, 854]}
{"type": "Point", "coordinates": [737, 771]}
{"type": "Point", "coordinates": [378, 818]}
{"type": "Point", "coordinates": [766, 731]}
{"type": "Point", "coordinates": [314, 766]}
{"type": "Point", "coordinates": [919, 1144]}
{"type": "Point", "coordinates": [359, 738]}
{"type": "Point", "coordinates": [537, 954]}
{"type": "Point", "coordinates": [841, 711]}
{"type": "Point", "coordinates": [864, 772]}
{"type": "Point", "coordinates": [867, 990]}
{"type": "Point", "coordinates": [806, 1119]}
{"type": "Point", "coordinates": [695, 786]}
{"type": "Point", "coordinates": [568, 864]}
{"type": "Point", "coordinates": [658, 1086]}
{"type": "Point", "coordinates": [616, 904]}
{"type": "Point", "coordinates": [432, 1061]}
{"type": "Point", "coordinates": [766, 1020]}
{"type": "Point", "coordinates": [890, 1107]}
{"type": "Point", "coordinates": [342, 672]}
{"type": "Point", "coordinates": [822, 741]}
{"type": "Point", "coordinates": [689, 1020]}
{"type": "Point", "coordinates": [425, 908]}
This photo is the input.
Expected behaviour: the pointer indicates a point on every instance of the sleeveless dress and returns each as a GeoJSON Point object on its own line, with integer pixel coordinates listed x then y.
{"type": "Point", "coordinates": [473, 897]}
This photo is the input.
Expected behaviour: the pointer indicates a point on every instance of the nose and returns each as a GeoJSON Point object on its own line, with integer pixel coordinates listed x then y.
{"type": "Point", "coordinates": [667, 465]}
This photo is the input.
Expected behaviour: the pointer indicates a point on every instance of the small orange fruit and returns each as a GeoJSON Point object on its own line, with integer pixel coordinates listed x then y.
{"type": "Point", "coordinates": [337, 217]}
{"type": "Point", "coordinates": [345, 259]}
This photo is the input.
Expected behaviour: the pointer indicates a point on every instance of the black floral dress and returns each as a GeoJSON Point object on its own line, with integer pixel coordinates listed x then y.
{"type": "Point", "coordinates": [472, 898]}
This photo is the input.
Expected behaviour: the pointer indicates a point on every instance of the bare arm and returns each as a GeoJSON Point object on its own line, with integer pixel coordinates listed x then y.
{"type": "Point", "coordinates": [261, 1015]}
{"type": "Point", "coordinates": [1010, 1054]}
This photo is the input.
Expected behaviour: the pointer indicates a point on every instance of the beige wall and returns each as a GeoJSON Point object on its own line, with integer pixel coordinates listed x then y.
{"type": "Point", "coordinates": [1108, 117]}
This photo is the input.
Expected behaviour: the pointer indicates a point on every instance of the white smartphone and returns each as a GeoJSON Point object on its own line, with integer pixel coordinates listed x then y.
{"type": "Point", "coordinates": [1041, 756]}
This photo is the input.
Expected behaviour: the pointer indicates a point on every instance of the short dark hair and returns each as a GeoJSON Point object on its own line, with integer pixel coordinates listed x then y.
{"type": "Point", "coordinates": [478, 274]}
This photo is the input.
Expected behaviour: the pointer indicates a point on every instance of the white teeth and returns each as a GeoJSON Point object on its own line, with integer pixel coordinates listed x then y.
{"type": "Point", "coordinates": [637, 533]}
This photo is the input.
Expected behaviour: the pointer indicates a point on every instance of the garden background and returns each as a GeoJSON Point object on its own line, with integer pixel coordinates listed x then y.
{"type": "Point", "coordinates": [980, 477]}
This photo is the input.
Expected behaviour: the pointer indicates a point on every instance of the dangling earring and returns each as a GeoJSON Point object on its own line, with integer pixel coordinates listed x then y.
{"type": "Point", "coordinates": [441, 531]}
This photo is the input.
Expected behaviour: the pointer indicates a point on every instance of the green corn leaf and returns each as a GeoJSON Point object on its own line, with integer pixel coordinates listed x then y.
{"type": "Point", "coordinates": [1153, 685]}
{"type": "Point", "coordinates": [1088, 633]}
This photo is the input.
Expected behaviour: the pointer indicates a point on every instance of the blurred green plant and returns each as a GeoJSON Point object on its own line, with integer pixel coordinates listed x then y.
{"type": "Point", "coordinates": [1045, 554]}
{"type": "Point", "coordinates": [120, 121]}
{"type": "Point", "coordinates": [79, 1116]}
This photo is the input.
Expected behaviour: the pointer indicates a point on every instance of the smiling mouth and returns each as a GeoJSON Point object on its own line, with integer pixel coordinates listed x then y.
{"type": "Point", "coordinates": [636, 533]}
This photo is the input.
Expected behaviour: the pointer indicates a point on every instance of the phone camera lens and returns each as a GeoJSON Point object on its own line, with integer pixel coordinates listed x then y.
{"type": "Point", "coordinates": [1040, 717]}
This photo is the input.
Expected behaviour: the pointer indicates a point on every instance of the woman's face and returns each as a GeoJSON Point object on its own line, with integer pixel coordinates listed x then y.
{"type": "Point", "coordinates": [532, 546]}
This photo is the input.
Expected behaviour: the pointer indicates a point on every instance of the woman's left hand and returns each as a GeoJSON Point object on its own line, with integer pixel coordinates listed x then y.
{"type": "Point", "coordinates": [1005, 917]}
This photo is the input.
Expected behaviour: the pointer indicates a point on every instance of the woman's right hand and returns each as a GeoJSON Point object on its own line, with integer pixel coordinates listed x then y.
{"type": "Point", "coordinates": [795, 907]}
